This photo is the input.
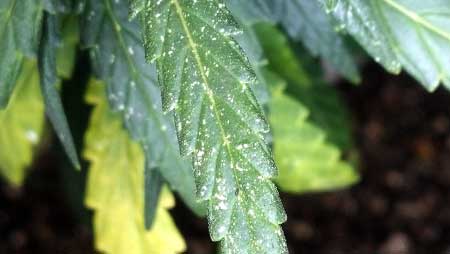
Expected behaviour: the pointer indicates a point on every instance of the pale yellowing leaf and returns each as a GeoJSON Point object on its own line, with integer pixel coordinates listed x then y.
{"type": "Point", "coordinates": [21, 125]}
{"type": "Point", "coordinates": [115, 188]}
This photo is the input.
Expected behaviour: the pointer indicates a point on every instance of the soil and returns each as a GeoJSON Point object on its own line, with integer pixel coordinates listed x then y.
{"type": "Point", "coordinates": [400, 206]}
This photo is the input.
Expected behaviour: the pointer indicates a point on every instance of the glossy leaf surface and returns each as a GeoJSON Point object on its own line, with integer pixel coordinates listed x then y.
{"type": "Point", "coordinates": [49, 80]}
{"type": "Point", "coordinates": [411, 34]}
{"type": "Point", "coordinates": [206, 82]}
{"type": "Point", "coordinates": [118, 58]}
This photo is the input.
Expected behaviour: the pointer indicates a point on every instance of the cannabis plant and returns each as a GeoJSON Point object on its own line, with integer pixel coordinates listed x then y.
{"type": "Point", "coordinates": [206, 99]}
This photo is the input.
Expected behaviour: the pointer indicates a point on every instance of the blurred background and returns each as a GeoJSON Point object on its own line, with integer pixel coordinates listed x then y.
{"type": "Point", "coordinates": [401, 204]}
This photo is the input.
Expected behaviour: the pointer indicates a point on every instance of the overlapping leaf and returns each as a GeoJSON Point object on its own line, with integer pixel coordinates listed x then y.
{"type": "Point", "coordinates": [306, 160]}
{"type": "Point", "coordinates": [304, 21]}
{"type": "Point", "coordinates": [254, 11]}
{"type": "Point", "coordinates": [47, 63]}
{"type": "Point", "coordinates": [66, 52]}
{"type": "Point", "coordinates": [20, 22]}
{"type": "Point", "coordinates": [206, 80]}
{"type": "Point", "coordinates": [414, 35]}
{"type": "Point", "coordinates": [249, 42]}
{"type": "Point", "coordinates": [308, 149]}
{"type": "Point", "coordinates": [62, 6]}
{"type": "Point", "coordinates": [21, 125]}
{"type": "Point", "coordinates": [118, 59]}
{"type": "Point", "coordinates": [115, 189]}
{"type": "Point", "coordinates": [327, 110]}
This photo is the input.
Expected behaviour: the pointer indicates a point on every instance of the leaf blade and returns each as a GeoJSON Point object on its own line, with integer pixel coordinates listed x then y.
{"type": "Point", "coordinates": [306, 160]}
{"type": "Point", "coordinates": [417, 40]}
{"type": "Point", "coordinates": [219, 122]}
{"type": "Point", "coordinates": [48, 80]}
{"type": "Point", "coordinates": [21, 125]}
{"type": "Point", "coordinates": [118, 59]}
{"type": "Point", "coordinates": [305, 22]}
{"type": "Point", "coordinates": [16, 17]}
{"type": "Point", "coordinates": [115, 189]}
{"type": "Point", "coordinates": [308, 150]}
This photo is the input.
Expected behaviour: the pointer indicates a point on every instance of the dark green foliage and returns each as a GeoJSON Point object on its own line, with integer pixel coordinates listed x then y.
{"type": "Point", "coordinates": [49, 80]}
{"type": "Point", "coordinates": [219, 122]}
{"type": "Point", "coordinates": [414, 35]}
{"type": "Point", "coordinates": [192, 81]}
{"type": "Point", "coordinates": [118, 58]}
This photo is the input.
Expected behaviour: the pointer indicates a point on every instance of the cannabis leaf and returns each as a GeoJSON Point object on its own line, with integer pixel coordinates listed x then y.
{"type": "Point", "coordinates": [49, 80]}
{"type": "Point", "coordinates": [254, 11]}
{"type": "Point", "coordinates": [304, 21]}
{"type": "Point", "coordinates": [118, 59]}
{"type": "Point", "coordinates": [62, 6]}
{"type": "Point", "coordinates": [327, 110]}
{"type": "Point", "coordinates": [66, 52]}
{"type": "Point", "coordinates": [115, 188]}
{"type": "Point", "coordinates": [20, 21]}
{"type": "Point", "coordinates": [414, 35]}
{"type": "Point", "coordinates": [21, 125]}
{"type": "Point", "coordinates": [250, 44]}
{"type": "Point", "coordinates": [206, 81]}
{"type": "Point", "coordinates": [308, 150]}
{"type": "Point", "coordinates": [306, 161]}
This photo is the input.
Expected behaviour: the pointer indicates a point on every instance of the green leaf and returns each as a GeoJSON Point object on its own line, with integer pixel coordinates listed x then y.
{"type": "Point", "coordinates": [308, 149]}
{"type": "Point", "coordinates": [206, 82]}
{"type": "Point", "coordinates": [20, 21]}
{"type": "Point", "coordinates": [58, 6]}
{"type": "Point", "coordinates": [115, 188]}
{"type": "Point", "coordinates": [21, 125]}
{"type": "Point", "coordinates": [414, 35]}
{"type": "Point", "coordinates": [304, 21]}
{"type": "Point", "coordinates": [327, 110]}
{"type": "Point", "coordinates": [66, 52]}
{"type": "Point", "coordinates": [153, 183]}
{"type": "Point", "coordinates": [49, 80]}
{"type": "Point", "coordinates": [254, 11]}
{"type": "Point", "coordinates": [249, 42]}
{"type": "Point", "coordinates": [118, 58]}
{"type": "Point", "coordinates": [306, 161]}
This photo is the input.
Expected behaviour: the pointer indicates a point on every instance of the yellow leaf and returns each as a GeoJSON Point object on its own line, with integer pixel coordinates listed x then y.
{"type": "Point", "coordinates": [115, 189]}
{"type": "Point", "coordinates": [21, 125]}
{"type": "Point", "coordinates": [306, 161]}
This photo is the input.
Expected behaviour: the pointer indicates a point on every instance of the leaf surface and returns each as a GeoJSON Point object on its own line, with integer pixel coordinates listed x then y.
{"type": "Point", "coordinates": [115, 187]}
{"type": "Point", "coordinates": [310, 124]}
{"type": "Point", "coordinates": [21, 125]}
{"type": "Point", "coordinates": [20, 21]}
{"type": "Point", "coordinates": [49, 80]}
{"type": "Point", "coordinates": [254, 11]}
{"type": "Point", "coordinates": [306, 160]}
{"type": "Point", "coordinates": [414, 35]}
{"type": "Point", "coordinates": [304, 21]}
{"type": "Point", "coordinates": [118, 59]}
{"type": "Point", "coordinates": [328, 112]}
{"type": "Point", "coordinates": [68, 46]}
{"type": "Point", "coordinates": [206, 82]}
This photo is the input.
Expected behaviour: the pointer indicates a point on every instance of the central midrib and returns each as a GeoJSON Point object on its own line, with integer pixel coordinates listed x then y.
{"type": "Point", "coordinates": [205, 82]}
